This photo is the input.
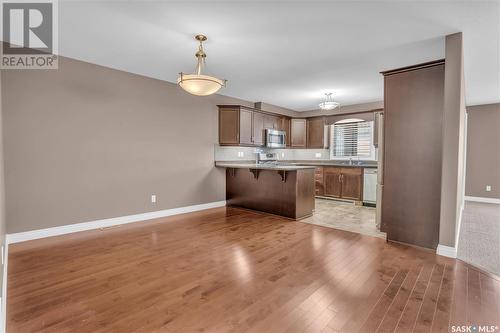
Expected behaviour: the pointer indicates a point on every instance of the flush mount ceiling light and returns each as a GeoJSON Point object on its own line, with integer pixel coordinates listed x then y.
{"type": "Point", "coordinates": [199, 84]}
{"type": "Point", "coordinates": [328, 104]}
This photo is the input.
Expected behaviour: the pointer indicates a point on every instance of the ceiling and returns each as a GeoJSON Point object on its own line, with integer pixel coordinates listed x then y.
{"type": "Point", "coordinates": [286, 53]}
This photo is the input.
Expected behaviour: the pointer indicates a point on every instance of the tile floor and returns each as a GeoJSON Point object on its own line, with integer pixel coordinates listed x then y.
{"type": "Point", "coordinates": [345, 216]}
{"type": "Point", "coordinates": [479, 242]}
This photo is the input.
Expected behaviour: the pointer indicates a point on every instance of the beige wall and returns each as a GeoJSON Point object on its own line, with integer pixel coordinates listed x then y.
{"type": "Point", "coordinates": [2, 193]}
{"type": "Point", "coordinates": [453, 142]}
{"type": "Point", "coordinates": [483, 157]}
{"type": "Point", "coordinates": [86, 142]}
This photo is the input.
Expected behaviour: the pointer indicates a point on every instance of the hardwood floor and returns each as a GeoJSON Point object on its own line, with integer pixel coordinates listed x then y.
{"type": "Point", "coordinates": [231, 270]}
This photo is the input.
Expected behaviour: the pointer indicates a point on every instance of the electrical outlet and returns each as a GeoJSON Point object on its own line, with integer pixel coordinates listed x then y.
{"type": "Point", "coordinates": [241, 154]}
{"type": "Point", "coordinates": [153, 198]}
{"type": "Point", "coordinates": [488, 188]}
{"type": "Point", "coordinates": [318, 155]}
{"type": "Point", "coordinates": [282, 154]}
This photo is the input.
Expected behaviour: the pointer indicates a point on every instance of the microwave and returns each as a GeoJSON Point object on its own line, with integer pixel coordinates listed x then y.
{"type": "Point", "coordinates": [275, 138]}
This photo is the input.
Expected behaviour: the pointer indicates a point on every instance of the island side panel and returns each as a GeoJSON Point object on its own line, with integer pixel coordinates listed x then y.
{"type": "Point", "coordinates": [292, 198]}
{"type": "Point", "coordinates": [266, 193]}
{"type": "Point", "coordinates": [305, 201]}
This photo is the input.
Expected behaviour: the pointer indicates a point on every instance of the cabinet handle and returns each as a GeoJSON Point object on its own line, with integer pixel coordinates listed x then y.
{"type": "Point", "coordinates": [340, 178]}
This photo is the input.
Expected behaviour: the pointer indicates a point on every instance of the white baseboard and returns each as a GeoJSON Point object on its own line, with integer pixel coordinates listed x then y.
{"type": "Point", "coordinates": [3, 311]}
{"type": "Point", "coordinates": [70, 228]}
{"type": "Point", "coordinates": [446, 251]}
{"type": "Point", "coordinates": [483, 199]}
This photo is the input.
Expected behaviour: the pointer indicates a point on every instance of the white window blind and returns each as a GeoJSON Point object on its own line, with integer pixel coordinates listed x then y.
{"type": "Point", "coordinates": [353, 139]}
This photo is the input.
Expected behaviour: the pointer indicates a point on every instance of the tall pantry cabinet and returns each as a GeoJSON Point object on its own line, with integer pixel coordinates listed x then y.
{"type": "Point", "coordinates": [413, 111]}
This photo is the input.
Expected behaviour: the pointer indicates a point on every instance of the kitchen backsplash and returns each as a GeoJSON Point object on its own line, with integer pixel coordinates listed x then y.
{"type": "Point", "coordinates": [248, 153]}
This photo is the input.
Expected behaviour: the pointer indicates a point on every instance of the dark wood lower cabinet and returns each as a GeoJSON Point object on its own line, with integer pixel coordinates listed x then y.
{"type": "Point", "coordinates": [352, 183]}
{"type": "Point", "coordinates": [318, 182]}
{"type": "Point", "coordinates": [343, 183]}
{"type": "Point", "coordinates": [332, 183]}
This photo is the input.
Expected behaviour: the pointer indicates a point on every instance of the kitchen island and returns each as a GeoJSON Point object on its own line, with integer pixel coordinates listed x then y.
{"type": "Point", "coordinates": [280, 189]}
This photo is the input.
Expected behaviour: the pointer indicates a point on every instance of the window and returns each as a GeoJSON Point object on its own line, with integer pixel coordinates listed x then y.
{"type": "Point", "coordinates": [352, 138]}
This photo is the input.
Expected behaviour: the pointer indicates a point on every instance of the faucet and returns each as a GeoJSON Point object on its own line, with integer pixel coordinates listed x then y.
{"type": "Point", "coordinates": [350, 160]}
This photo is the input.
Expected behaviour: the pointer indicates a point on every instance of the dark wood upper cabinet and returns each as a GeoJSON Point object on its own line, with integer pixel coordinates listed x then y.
{"type": "Point", "coordinates": [258, 128]}
{"type": "Point", "coordinates": [352, 183]}
{"type": "Point", "coordinates": [413, 113]}
{"type": "Point", "coordinates": [236, 126]}
{"type": "Point", "coordinates": [298, 133]}
{"type": "Point", "coordinates": [229, 126]}
{"type": "Point", "coordinates": [316, 132]}
{"type": "Point", "coordinates": [270, 121]}
{"type": "Point", "coordinates": [241, 125]}
{"type": "Point", "coordinates": [246, 117]}
{"type": "Point", "coordinates": [284, 125]}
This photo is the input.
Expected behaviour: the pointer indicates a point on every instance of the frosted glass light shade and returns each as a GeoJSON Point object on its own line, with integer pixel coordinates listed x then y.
{"type": "Point", "coordinates": [328, 105]}
{"type": "Point", "coordinates": [200, 85]}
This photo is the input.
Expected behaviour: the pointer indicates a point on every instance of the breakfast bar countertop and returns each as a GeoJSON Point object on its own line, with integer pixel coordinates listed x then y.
{"type": "Point", "coordinates": [262, 166]}
{"type": "Point", "coordinates": [293, 164]}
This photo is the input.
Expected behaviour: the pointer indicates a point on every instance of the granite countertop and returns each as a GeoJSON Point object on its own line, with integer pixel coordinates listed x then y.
{"type": "Point", "coordinates": [362, 164]}
{"type": "Point", "coordinates": [253, 165]}
{"type": "Point", "coordinates": [293, 164]}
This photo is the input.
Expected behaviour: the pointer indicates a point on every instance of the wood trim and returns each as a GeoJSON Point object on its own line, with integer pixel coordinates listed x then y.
{"type": "Point", "coordinates": [414, 67]}
{"type": "Point", "coordinates": [228, 106]}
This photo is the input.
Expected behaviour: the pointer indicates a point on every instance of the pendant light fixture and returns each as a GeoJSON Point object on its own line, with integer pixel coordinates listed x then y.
{"type": "Point", "coordinates": [197, 83]}
{"type": "Point", "coordinates": [328, 104]}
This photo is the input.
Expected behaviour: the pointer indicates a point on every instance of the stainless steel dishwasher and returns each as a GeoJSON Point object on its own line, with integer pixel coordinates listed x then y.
{"type": "Point", "coordinates": [370, 186]}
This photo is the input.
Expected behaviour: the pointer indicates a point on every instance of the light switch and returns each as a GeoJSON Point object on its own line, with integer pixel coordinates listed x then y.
{"type": "Point", "coordinates": [488, 188]}
{"type": "Point", "coordinates": [318, 155]}
{"type": "Point", "coordinates": [153, 198]}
